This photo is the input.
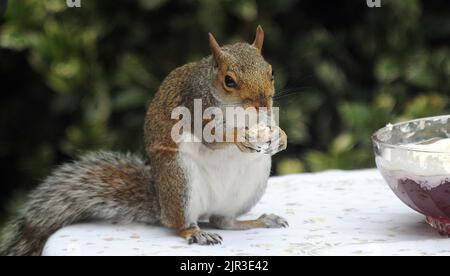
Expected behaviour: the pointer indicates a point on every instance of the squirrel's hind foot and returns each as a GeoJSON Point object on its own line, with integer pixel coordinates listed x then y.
{"type": "Point", "coordinates": [205, 238]}
{"type": "Point", "coordinates": [194, 234]}
{"type": "Point", "coordinates": [264, 221]}
{"type": "Point", "coordinates": [273, 221]}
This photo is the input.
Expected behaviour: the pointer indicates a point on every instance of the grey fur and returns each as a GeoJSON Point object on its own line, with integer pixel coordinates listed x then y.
{"type": "Point", "coordinates": [80, 191]}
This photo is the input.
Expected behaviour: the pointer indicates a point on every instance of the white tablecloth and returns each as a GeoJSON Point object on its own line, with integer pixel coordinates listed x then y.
{"type": "Point", "coordinates": [330, 213]}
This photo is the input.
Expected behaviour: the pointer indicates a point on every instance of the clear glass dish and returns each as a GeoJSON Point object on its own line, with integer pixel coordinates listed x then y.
{"type": "Point", "coordinates": [414, 159]}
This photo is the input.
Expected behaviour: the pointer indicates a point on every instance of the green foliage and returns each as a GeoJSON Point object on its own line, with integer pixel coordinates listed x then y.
{"type": "Point", "coordinates": [87, 74]}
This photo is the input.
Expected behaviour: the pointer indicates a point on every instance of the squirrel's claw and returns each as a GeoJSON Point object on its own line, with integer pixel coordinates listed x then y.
{"type": "Point", "coordinates": [204, 238]}
{"type": "Point", "coordinates": [273, 221]}
{"type": "Point", "coordinates": [276, 142]}
{"type": "Point", "coordinates": [248, 147]}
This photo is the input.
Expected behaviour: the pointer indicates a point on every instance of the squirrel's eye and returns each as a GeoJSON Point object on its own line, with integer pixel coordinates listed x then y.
{"type": "Point", "coordinates": [229, 82]}
{"type": "Point", "coordinates": [273, 75]}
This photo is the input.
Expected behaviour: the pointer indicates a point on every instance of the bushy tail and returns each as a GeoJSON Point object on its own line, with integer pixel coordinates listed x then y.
{"type": "Point", "coordinates": [103, 185]}
{"type": "Point", "coordinates": [19, 240]}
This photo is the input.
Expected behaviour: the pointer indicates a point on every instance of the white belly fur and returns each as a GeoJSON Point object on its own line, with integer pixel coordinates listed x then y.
{"type": "Point", "coordinates": [223, 182]}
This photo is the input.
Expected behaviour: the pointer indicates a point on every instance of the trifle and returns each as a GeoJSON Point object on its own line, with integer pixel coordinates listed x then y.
{"type": "Point", "coordinates": [414, 158]}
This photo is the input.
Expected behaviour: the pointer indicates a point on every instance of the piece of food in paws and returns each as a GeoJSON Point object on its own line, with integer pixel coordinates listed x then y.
{"type": "Point", "coordinates": [259, 135]}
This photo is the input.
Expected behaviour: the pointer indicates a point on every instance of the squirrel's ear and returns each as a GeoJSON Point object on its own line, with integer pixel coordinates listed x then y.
{"type": "Point", "coordinates": [259, 38]}
{"type": "Point", "coordinates": [215, 49]}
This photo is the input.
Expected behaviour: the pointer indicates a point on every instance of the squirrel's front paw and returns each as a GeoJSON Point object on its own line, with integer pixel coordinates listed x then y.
{"type": "Point", "coordinates": [262, 138]}
{"type": "Point", "coordinates": [277, 141]}
{"type": "Point", "coordinates": [252, 140]}
{"type": "Point", "coordinates": [273, 221]}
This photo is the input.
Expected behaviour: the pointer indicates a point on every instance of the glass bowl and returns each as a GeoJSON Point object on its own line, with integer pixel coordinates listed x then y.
{"type": "Point", "coordinates": [414, 159]}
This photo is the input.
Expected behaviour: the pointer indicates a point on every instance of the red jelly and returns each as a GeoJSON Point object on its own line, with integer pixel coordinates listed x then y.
{"type": "Point", "coordinates": [433, 202]}
{"type": "Point", "coordinates": [414, 158]}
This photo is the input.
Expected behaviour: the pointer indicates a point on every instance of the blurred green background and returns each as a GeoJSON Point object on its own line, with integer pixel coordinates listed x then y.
{"type": "Point", "coordinates": [78, 79]}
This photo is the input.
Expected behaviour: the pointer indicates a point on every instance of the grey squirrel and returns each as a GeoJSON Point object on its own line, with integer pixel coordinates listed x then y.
{"type": "Point", "coordinates": [182, 182]}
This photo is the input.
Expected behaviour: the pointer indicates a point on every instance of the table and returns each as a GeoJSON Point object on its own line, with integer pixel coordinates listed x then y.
{"type": "Point", "coordinates": [330, 213]}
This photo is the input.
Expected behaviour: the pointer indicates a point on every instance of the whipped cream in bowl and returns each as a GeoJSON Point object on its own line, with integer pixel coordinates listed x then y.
{"type": "Point", "coordinates": [414, 159]}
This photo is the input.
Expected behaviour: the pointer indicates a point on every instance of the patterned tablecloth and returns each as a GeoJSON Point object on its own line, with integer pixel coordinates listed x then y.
{"type": "Point", "coordinates": [330, 213]}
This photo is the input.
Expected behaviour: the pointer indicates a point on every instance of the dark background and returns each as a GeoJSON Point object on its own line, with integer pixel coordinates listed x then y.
{"type": "Point", "coordinates": [79, 79]}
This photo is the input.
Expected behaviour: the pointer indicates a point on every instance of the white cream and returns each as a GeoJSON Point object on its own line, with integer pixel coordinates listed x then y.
{"type": "Point", "coordinates": [429, 165]}
{"type": "Point", "coordinates": [440, 145]}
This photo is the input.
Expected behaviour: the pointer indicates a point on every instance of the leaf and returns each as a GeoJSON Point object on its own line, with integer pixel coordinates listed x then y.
{"type": "Point", "coordinates": [387, 69]}
{"type": "Point", "coordinates": [151, 4]}
{"type": "Point", "coordinates": [129, 99]}
{"type": "Point", "coordinates": [290, 166]}
{"type": "Point", "coordinates": [419, 72]}
{"type": "Point", "coordinates": [342, 143]}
